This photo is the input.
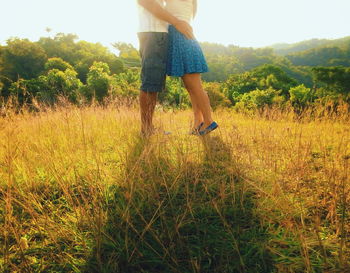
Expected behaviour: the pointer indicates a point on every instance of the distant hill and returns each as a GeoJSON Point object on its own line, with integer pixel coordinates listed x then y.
{"type": "Point", "coordinates": [286, 49]}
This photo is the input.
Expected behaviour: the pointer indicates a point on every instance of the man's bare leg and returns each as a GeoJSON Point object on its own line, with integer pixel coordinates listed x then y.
{"type": "Point", "coordinates": [148, 102]}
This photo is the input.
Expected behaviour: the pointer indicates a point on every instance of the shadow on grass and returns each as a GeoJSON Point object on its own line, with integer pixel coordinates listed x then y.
{"type": "Point", "coordinates": [176, 215]}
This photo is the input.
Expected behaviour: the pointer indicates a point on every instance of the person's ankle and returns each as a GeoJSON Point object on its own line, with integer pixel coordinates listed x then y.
{"type": "Point", "coordinates": [147, 128]}
{"type": "Point", "coordinates": [197, 123]}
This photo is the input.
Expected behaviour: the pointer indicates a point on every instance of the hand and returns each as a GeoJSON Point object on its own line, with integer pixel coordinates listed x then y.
{"type": "Point", "coordinates": [185, 29]}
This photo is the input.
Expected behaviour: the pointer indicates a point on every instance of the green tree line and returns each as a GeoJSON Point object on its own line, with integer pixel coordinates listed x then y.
{"type": "Point", "coordinates": [243, 78]}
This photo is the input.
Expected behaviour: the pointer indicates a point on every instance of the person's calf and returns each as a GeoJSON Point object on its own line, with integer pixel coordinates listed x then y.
{"type": "Point", "coordinates": [147, 105]}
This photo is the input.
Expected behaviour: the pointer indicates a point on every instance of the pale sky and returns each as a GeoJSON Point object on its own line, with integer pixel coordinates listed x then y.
{"type": "Point", "coordinates": [247, 23]}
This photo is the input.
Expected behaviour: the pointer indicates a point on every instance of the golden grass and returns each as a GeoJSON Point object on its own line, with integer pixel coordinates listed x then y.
{"type": "Point", "coordinates": [59, 167]}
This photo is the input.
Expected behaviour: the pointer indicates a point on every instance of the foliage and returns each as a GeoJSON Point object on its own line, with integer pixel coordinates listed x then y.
{"type": "Point", "coordinates": [175, 94]}
{"type": "Point", "coordinates": [220, 67]}
{"type": "Point", "coordinates": [63, 83]}
{"type": "Point", "coordinates": [322, 56]}
{"type": "Point", "coordinates": [301, 96]}
{"type": "Point", "coordinates": [284, 49]}
{"type": "Point", "coordinates": [57, 63]}
{"type": "Point", "coordinates": [47, 87]}
{"type": "Point", "coordinates": [98, 80]}
{"type": "Point", "coordinates": [26, 90]}
{"type": "Point", "coordinates": [128, 53]}
{"type": "Point", "coordinates": [239, 84]}
{"type": "Point", "coordinates": [22, 59]}
{"type": "Point", "coordinates": [234, 71]}
{"type": "Point", "coordinates": [126, 84]}
{"type": "Point", "coordinates": [81, 55]}
{"type": "Point", "coordinates": [224, 61]}
{"type": "Point", "coordinates": [216, 96]}
{"type": "Point", "coordinates": [262, 78]}
{"type": "Point", "coordinates": [334, 78]}
{"type": "Point", "coordinates": [258, 99]}
{"type": "Point", "coordinates": [273, 76]}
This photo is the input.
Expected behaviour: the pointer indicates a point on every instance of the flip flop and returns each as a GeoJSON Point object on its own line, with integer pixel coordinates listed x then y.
{"type": "Point", "coordinates": [210, 128]}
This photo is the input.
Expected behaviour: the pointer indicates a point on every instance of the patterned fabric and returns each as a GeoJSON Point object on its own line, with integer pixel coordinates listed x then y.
{"type": "Point", "coordinates": [184, 56]}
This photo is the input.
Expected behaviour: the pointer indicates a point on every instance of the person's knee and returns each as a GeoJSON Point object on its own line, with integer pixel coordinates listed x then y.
{"type": "Point", "coordinates": [148, 95]}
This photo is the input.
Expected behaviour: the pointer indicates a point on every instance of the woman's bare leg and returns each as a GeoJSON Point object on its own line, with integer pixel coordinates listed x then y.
{"type": "Point", "coordinates": [199, 97]}
{"type": "Point", "coordinates": [197, 113]}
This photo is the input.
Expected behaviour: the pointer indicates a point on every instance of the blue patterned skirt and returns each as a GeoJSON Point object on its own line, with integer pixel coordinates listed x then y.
{"type": "Point", "coordinates": [184, 56]}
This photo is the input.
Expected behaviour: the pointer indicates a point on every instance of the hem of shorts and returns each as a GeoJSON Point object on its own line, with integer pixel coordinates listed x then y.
{"type": "Point", "coordinates": [152, 88]}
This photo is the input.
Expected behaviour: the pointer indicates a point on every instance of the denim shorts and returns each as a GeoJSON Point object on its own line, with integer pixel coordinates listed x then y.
{"type": "Point", "coordinates": [154, 52]}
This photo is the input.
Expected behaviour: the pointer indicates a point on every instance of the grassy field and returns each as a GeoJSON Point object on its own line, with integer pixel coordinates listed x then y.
{"type": "Point", "coordinates": [82, 192]}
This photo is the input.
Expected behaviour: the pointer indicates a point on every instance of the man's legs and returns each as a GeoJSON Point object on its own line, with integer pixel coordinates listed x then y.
{"type": "Point", "coordinates": [148, 102]}
{"type": "Point", "coordinates": [153, 51]}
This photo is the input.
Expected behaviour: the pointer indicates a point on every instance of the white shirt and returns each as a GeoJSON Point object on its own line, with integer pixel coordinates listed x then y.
{"type": "Point", "coordinates": [150, 23]}
{"type": "Point", "coordinates": [181, 9]}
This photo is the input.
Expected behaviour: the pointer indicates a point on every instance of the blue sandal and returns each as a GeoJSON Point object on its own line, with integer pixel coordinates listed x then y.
{"type": "Point", "coordinates": [210, 128]}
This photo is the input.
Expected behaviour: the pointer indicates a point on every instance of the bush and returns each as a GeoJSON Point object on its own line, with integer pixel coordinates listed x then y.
{"type": "Point", "coordinates": [175, 94]}
{"type": "Point", "coordinates": [217, 98]}
{"type": "Point", "coordinates": [57, 63]}
{"type": "Point", "coordinates": [258, 99]}
{"type": "Point", "coordinates": [98, 80]}
{"type": "Point", "coordinates": [125, 84]}
{"type": "Point", "coordinates": [301, 96]}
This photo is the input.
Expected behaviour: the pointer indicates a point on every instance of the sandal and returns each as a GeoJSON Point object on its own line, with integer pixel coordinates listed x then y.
{"type": "Point", "coordinates": [210, 128]}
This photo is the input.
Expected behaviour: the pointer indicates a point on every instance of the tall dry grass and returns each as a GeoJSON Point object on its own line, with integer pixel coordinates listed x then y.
{"type": "Point", "coordinates": [81, 191]}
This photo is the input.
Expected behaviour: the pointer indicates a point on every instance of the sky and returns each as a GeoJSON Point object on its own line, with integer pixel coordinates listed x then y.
{"type": "Point", "coordinates": [246, 23]}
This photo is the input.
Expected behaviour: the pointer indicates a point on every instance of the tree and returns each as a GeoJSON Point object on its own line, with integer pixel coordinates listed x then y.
{"type": "Point", "coordinates": [57, 63]}
{"type": "Point", "coordinates": [59, 82]}
{"type": "Point", "coordinates": [301, 96]}
{"type": "Point", "coordinates": [23, 59]}
{"type": "Point", "coordinates": [239, 84]}
{"type": "Point", "coordinates": [325, 56]}
{"type": "Point", "coordinates": [98, 80]}
{"type": "Point", "coordinates": [216, 96]}
{"type": "Point", "coordinates": [273, 76]}
{"type": "Point", "coordinates": [81, 55]}
{"type": "Point", "coordinates": [2, 77]}
{"type": "Point", "coordinates": [20, 59]}
{"type": "Point", "coordinates": [62, 46]}
{"type": "Point", "coordinates": [128, 53]}
{"type": "Point", "coordinates": [175, 94]}
{"type": "Point", "coordinates": [126, 84]}
{"type": "Point", "coordinates": [262, 78]}
{"type": "Point", "coordinates": [26, 90]}
{"type": "Point", "coordinates": [334, 79]}
{"type": "Point", "coordinates": [258, 99]}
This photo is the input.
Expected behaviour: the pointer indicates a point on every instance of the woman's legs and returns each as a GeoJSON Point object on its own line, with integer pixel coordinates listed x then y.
{"type": "Point", "coordinates": [199, 98]}
{"type": "Point", "coordinates": [197, 113]}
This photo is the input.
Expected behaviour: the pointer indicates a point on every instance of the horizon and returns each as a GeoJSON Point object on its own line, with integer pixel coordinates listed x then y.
{"type": "Point", "coordinates": [259, 24]}
{"type": "Point", "coordinates": [110, 47]}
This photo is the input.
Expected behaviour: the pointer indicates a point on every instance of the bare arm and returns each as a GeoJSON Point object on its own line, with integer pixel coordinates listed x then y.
{"type": "Point", "coordinates": [153, 7]}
